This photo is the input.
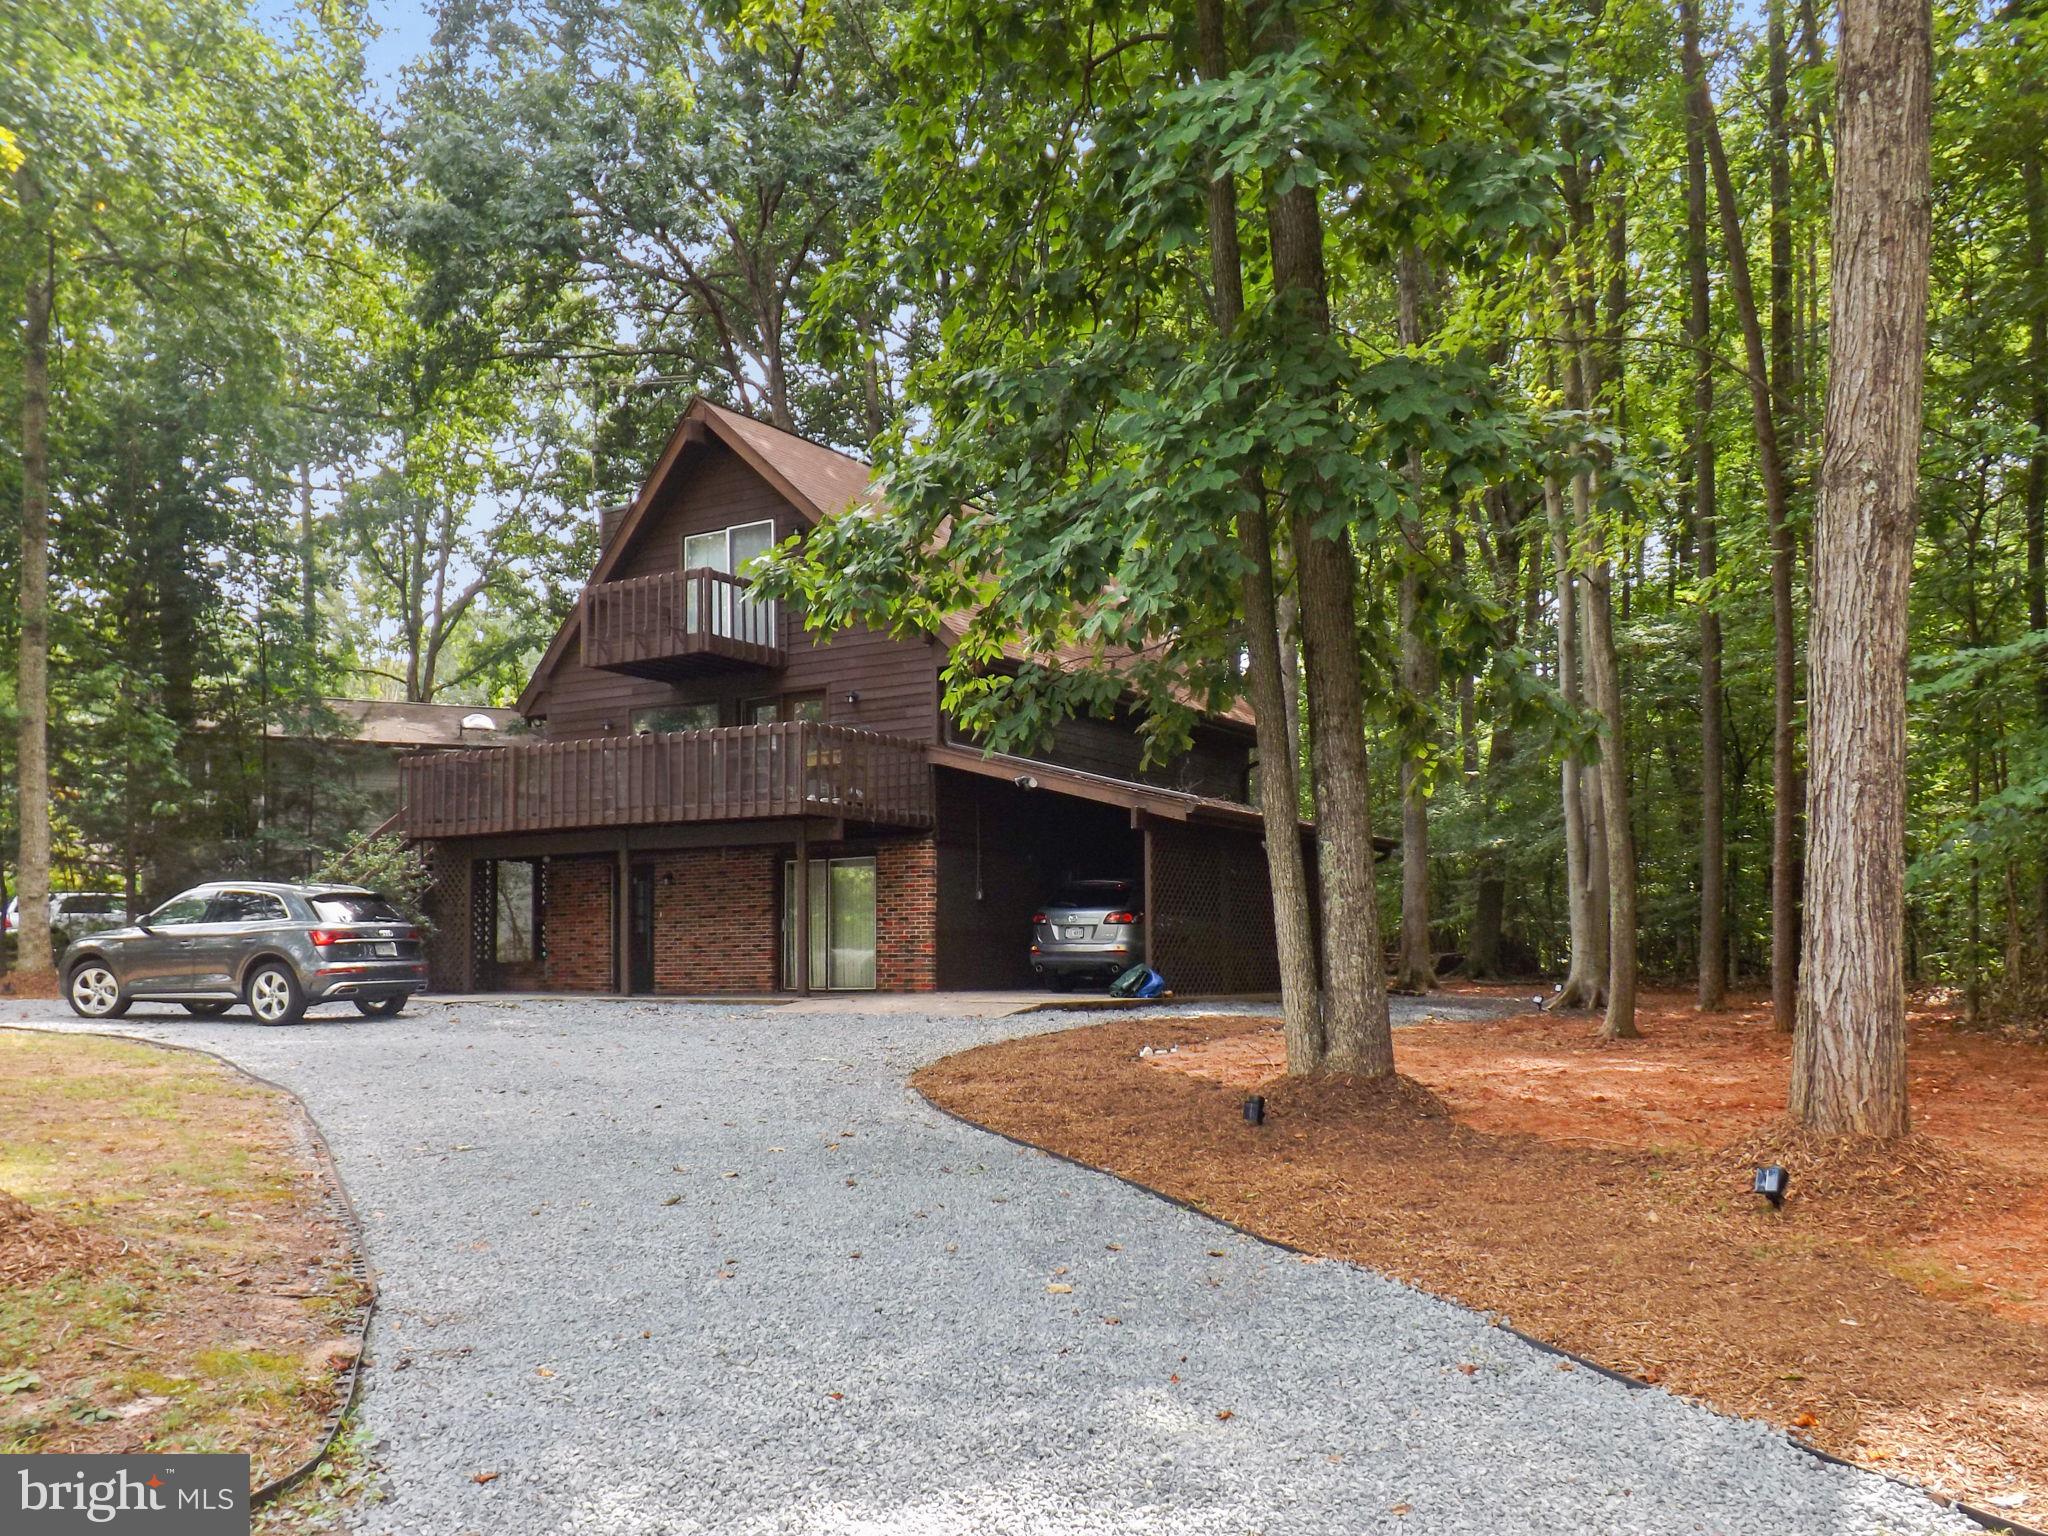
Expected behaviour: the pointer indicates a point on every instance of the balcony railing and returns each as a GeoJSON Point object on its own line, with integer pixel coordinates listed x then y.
{"type": "Point", "coordinates": [678, 624]}
{"type": "Point", "coordinates": [793, 768]}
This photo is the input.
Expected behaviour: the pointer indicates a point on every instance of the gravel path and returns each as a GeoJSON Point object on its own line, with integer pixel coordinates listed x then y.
{"type": "Point", "coordinates": [675, 1269]}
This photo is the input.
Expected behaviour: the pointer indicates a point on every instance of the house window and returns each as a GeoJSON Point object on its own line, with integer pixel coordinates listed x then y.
{"type": "Point", "coordinates": [787, 706]}
{"type": "Point", "coordinates": [730, 550]}
{"type": "Point", "coordinates": [701, 716]}
{"type": "Point", "coordinates": [737, 615]}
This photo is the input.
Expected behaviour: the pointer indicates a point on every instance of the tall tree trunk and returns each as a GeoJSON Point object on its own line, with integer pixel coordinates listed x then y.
{"type": "Point", "coordinates": [32, 674]}
{"type": "Point", "coordinates": [1586, 977]}
{"type": "Point", "coordinates": [1784, 679]}
{"type": "Point", "coordinates": [1289, 613]}
{"type": "Point", "coordinates": [1713, 991]}
{"type": "Point", "coordinates": [1605, 656]}
{"type": "Point", "coordinates": [1489, 879]}
{"type": "Point", "coordinates": [2037, 471]}
{"type": "Point", "coordinates": [1272, 707]}
{"type": "Point", "coordinates": [1415, 963]}
{"type": "Point", "coordinates": [1603, 685]}
{"type": "Point", "coordinates": [1354, 984]}
{"type": "Point", "coordinates": [1849, 1058]}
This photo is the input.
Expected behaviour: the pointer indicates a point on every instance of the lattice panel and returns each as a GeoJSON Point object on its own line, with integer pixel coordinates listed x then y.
{"type": "Point", "coordinates": [450, 918]}
{"type": "Point", "coordinates": [1211, 911]}
{"type": "Point", "coordinates": [483, 924]}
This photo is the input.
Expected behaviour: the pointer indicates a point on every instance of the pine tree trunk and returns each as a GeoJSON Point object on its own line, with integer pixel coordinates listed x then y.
{"type": "Point", "coordinates": [1586, 975]}
{"type": "Point", "coordinates": [1415, 963]}
{"type": "Point", "coordinates": [1785, 788]}
{"type": "Point", "coordinates": [1849, 1058]}
{"type": "Point", "coordinates": [32, 676]}
{"type": "Point", "coordinates": [1713, 991]}
{"type": "Point", "coordinates": [1272, 708]}
{"type": "Point", "coordinates": [1354, 985]}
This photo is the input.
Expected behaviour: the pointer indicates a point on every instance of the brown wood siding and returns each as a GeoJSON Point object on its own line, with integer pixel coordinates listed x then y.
{"type": "Point", "coordinates": [895, 679]}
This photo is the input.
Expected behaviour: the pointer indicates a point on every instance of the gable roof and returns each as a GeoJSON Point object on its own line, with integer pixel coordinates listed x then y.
{"type": "Point", "coordinates": [818, 481]}
{"type": "Point", "coordinates": [814, 479]}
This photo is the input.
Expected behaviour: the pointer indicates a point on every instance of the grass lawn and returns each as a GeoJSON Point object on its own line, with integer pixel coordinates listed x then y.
{"type": "Point", "coordinates": [172, 1276]}
{"type": "Point", "coordinates": [1596, 1195]}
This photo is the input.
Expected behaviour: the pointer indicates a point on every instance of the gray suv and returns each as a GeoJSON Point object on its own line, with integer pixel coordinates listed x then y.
{"type": "Point", "coordinates": [278, 948]}
{"type": "Point", "coordinates": [1092, 928]}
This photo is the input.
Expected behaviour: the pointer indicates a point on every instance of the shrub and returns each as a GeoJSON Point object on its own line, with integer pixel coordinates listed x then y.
{"type": "Point", "coordinates": [390, 865]}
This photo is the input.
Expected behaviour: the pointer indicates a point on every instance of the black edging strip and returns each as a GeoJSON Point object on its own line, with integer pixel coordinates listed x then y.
{"type": "Point", "coordinates": [1998, 1524]}
{"type": "Point", "coordinates": [358, 1266]}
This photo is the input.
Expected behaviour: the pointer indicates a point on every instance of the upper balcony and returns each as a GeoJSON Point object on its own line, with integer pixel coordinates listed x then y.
{"type": "Point", "coordinates": [679, 624]}
{"type": "Point", "coordinates": [793, 768]}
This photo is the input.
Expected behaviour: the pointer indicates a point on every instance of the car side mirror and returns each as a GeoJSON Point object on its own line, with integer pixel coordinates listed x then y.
{"type": "Point", "coordinates": [143, 924]}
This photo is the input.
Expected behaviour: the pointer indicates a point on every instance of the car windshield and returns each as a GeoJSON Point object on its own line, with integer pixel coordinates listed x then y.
{"type": "Point", "coordinates": [89, 904]}
{"type": "Point", "coordinates": [355, 907]}
{"type": "Point", "coordinates": [1094, 893]}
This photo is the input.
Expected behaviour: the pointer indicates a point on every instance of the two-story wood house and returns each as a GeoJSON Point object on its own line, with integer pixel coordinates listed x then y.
{"type": "Point", "coordinates": [718, 801]}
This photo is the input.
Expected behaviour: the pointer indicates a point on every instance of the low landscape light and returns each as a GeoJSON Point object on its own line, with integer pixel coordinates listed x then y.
{"type": "Point", "coordinates": [1771, 1183]}
{"type": "Point", "coordinates": [1255, 1110]}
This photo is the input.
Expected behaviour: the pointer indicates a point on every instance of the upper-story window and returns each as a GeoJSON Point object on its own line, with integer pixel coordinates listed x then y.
{"type": "Point", "coordinates": [730, 550]}
{"type": "Point", "coordinates": [736, 615]}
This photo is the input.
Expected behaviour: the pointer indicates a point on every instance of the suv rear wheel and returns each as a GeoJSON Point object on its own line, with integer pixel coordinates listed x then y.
{"type": "Point", "coordinates": [274, 994]}
{"type": "Point", "coordinates": [94, 992]}
{"type": "Point", "coordinates": [381, 1007]}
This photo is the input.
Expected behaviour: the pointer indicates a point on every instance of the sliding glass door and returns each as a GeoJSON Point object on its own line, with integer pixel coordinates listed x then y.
{"type": "Point", "coordinates": [842, 936]}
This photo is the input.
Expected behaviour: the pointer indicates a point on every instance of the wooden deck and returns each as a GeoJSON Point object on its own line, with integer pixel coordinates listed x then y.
{"type": "Point", "coordinates": [793, 768]}
{"type": "Point", "coordinates": [676, 624]}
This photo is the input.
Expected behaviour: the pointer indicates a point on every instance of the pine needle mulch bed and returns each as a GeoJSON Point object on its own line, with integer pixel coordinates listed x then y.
{"type": "Point", "coordinates": [1596, 1195]}
{"type": "Point", "coordinates": [31, 985]}
{"type": "Point", "coordinates": [172, 1274]}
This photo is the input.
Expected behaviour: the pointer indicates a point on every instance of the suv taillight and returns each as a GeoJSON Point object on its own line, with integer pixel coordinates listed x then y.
{"type": "Point", "coordinates": [1038, 917]}
{"type": "Point", "coordinates": [1122, 919]}
{"type": "Point", "coordinates": [323, 937]}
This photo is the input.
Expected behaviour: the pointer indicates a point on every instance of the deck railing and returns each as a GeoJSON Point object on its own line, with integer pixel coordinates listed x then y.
{"type": "Point", "coordinates": [793, 768]}
{"type": "Point", "coordinates": [659, 623]}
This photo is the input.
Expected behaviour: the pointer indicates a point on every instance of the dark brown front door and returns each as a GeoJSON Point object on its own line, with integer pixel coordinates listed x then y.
{"type": "Point", "coordinates": [640, 930]}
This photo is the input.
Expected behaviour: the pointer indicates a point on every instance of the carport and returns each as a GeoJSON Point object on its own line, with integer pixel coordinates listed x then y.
{"type": "Point", "coordinates": [1011, 830]}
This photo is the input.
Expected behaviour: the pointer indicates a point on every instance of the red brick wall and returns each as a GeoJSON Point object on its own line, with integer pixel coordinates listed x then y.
{"type": "Point", "coordinates": [717, 918]}
{"type": "Point", "coordinates": [578, 924]}
{"type": "Point", "coordinates": [907, 916]}
{"type": "Point", "coordinates": [715, 924]}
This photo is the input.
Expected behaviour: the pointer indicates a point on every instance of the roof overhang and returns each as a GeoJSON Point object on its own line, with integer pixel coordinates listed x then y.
{"type": "Point", "coordinates": [1146, 799]}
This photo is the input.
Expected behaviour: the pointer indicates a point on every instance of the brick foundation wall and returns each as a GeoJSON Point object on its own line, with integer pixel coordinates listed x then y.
{"type": "Point", "coordinates": [578, 931]}
{"type": "Point", "coordinates": [907, 915]}
{"type": "Point", "coordinates": [716, 928]}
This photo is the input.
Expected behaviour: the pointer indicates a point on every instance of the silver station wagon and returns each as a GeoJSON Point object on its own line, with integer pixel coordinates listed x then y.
{"type": "Point", "coordinates": [279, 949]}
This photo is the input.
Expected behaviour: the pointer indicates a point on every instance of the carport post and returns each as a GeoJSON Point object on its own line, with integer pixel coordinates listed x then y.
{"type": "Point", "coordinates": [1145, 894]}
{"type": "Point", "coordinates": [622, 921]}
{"type": "Point", "coordinates": [801, 945]}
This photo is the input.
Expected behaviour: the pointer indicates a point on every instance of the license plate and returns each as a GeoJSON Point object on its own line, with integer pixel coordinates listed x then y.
{"type": "Point", "coordinates": [1073, 933]}
{"type": "Point", "coordinates": [384, 949]}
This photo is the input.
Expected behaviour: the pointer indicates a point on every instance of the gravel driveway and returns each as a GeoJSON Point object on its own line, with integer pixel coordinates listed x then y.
{"type": "Point", "coordinates": [716, 1269]}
